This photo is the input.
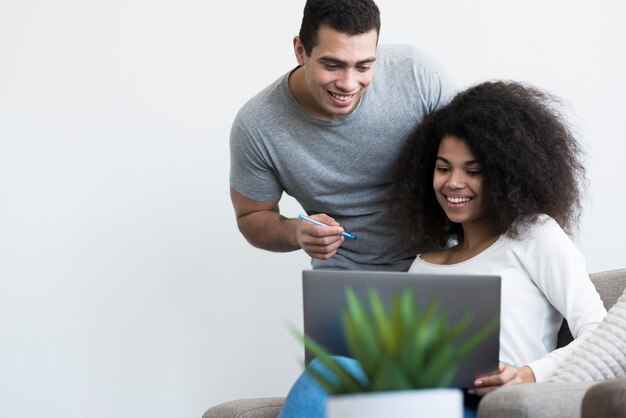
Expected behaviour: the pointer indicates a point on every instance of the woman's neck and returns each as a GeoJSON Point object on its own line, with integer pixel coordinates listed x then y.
{"type": "Point", "coordinates": [477, 238]}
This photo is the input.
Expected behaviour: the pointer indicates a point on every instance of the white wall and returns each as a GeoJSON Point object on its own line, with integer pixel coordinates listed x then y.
{"type": "Point", "coordinates": [125, 287]}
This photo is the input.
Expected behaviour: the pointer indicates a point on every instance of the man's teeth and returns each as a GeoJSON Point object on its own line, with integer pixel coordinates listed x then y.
{"type": "Point", "coordinates": [458, 199]}
{"type": "Point", "coordinates": [342, 98]}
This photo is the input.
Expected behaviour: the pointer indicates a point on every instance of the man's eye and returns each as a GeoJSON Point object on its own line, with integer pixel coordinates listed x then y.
{"type": "Point", "coordinates": [331, 67]}
{"type": "Point", "coordinates": [363, 69]}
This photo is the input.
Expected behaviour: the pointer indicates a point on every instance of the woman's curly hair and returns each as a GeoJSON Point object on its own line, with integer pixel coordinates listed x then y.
{"type": "Point", "coordinates": [531, 161]}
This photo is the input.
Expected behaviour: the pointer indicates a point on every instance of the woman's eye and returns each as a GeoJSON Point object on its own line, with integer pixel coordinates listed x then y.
{"type": "Point", "coordinates": [443, 169]}
{"type": "Point", "coordinates": [474, 172]}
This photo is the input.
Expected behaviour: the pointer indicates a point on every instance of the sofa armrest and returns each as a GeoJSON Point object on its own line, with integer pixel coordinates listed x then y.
{"type": "Point", "coordinates": [606, 399]}
{"type": "Point", "coordinates": [537, 400]}
{"type": "Point", "coordinates": [247, 408]}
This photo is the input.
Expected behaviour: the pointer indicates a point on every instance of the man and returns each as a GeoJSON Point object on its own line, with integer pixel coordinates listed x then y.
{"type": "Point", "coordinates": [329, 133]}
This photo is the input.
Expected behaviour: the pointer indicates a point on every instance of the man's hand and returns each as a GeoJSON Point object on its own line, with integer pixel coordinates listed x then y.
{"type": "Point", "coordinates": [262, 225]}
{"type": "Point", "coordinates": [320, 242]}
{"type": "Point", "coordinates": [506, 376]}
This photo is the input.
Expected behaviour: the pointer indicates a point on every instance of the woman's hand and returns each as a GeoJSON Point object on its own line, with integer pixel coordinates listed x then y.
{"type": "Point", "coordinates": [506, 376]}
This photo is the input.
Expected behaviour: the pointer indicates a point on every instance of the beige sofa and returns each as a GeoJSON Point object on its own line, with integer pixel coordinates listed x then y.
{"type": "Point", "coordinates": [544, 400]}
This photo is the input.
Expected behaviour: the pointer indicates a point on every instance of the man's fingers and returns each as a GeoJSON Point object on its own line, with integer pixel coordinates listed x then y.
{"type": "Point", "coordinates": [322, 217]}
{"type": "Point", "coordinates": [323, 251]}
{"type": "Point", "coordinates": [322, 242]}
{"type": "Point", "coordinates": [319, 253]}
{"type": "Point", "coordinates": [320, 231]}
{"type": "Point", "coordinates": [327, 256]}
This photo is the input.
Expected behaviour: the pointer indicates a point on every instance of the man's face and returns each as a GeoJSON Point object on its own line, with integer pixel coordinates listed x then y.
{"type": "Point", "coordinates": [334, 77]}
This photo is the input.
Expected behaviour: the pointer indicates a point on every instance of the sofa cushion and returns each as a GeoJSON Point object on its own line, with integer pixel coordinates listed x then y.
{"type": "Point", "coordinates": [247, 408]}
{"type": "Point", "coordinates": [606, 400]}
{"type": "Point", "coordinates": [541, 400]}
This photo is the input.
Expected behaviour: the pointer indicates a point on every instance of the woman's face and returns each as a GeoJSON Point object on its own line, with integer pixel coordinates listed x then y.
{"type": "Point", "coordinates": [458, 181]}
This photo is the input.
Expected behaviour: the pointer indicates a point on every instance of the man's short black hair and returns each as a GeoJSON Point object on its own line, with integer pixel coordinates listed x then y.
{"type": "Point", "coordinates": [352, 17]}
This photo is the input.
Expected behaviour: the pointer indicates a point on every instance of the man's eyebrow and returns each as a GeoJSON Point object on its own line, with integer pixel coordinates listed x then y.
{"type": "Point", "coordinates": [333, 60]}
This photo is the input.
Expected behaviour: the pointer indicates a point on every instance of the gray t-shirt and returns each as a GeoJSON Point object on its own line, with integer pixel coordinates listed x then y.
{"type": "Point", "coordinates": [343, 167]}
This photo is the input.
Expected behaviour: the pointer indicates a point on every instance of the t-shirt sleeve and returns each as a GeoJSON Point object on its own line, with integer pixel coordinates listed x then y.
{"type": "Point", "coordinates": [251, 172]}
{"type": "Point", "coordinates": [435, 82]}
{"type": "Point", "coordinates": [558, 269]}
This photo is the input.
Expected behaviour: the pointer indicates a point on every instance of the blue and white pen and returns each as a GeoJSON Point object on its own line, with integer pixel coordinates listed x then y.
{"type": "Point", "coordinates": [318, 223]}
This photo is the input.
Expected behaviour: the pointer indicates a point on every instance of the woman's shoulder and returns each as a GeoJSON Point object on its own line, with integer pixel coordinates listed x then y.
{"type": "Point", "coordinates": [540, 227]}
{"type": "Point", "coordinates": [542, 234]}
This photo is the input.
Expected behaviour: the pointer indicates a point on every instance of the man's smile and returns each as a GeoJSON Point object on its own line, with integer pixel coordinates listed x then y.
{"type": "Point", "coordinates": [343, 98]}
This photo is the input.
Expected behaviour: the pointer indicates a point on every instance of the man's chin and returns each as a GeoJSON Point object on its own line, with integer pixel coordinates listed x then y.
{"type": "Point", "coordinates": [337, 112]}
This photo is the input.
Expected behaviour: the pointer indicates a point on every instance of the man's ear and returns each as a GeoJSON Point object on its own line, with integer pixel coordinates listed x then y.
{"type": "Point", "coordinates": [298, 49]}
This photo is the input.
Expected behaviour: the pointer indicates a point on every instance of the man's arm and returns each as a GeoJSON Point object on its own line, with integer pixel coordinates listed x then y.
{"type": "Point", "coordinates": [263, 226]}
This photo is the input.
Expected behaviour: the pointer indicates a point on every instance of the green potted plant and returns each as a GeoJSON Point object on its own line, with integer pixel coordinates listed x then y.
{"type": "Point", "coordinates": [408, 355]}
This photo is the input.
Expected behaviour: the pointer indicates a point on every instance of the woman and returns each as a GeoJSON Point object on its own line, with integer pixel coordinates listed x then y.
{"type": "Point", "coordinates": [490, 184]}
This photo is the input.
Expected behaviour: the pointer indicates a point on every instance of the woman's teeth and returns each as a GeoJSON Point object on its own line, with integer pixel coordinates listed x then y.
{"type": "Point", "coordinates": [458, 199]}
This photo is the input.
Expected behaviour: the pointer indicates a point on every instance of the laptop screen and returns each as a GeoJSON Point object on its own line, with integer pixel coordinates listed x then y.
{"type": "Point", "coordinates": [324, 299]}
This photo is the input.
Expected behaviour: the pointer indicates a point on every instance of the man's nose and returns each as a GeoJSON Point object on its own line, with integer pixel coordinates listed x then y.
{"type": "Point", "coordinates": [348, 81]}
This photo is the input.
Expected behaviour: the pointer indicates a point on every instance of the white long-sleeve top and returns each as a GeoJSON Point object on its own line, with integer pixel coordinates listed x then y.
{"type": "Point", "coordinates": [543, 280]}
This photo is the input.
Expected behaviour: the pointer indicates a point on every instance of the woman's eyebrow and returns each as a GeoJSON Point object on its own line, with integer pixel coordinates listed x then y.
{"type": "Point", "coordinates": [469, 162]}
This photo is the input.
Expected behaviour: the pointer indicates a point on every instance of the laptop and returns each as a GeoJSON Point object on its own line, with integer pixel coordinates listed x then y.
{"type": "Point", "coordinates": [324, 299]}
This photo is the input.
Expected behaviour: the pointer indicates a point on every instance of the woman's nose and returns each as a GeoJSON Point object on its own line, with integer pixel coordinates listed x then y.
{"type": "Point", "coordinates": [456, 180]}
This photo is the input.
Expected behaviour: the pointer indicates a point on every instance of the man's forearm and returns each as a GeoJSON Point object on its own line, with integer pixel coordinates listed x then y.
{"type": "Point", "coordinates": [269, 230]}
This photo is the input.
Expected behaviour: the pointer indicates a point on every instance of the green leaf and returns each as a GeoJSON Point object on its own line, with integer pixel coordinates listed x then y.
{"type": "Point", "coordinates": [438, 365]}
{"type": "Point", "coordinates": [474, 340]}
{"type": "Point", "coordinates": [346, 380]}
{"type": "Point", "coordinates": [458, 328]}
{"type": "Point", "coordinates": [446, 377]}
{"type": "Point", "coordinates": [390, 377]}
{"type": "Point", "coordinates": [382, 324]}
{"type": "Point", "coordinates": [331, 387]}
{"type": "Point", "coordinates": [361, 345]}
{"type": "Point", "coordinates": [360, 334]}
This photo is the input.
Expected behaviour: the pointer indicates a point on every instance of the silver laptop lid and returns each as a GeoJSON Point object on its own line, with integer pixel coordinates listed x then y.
{"type": "Point", "coordinates": [324, 299]}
